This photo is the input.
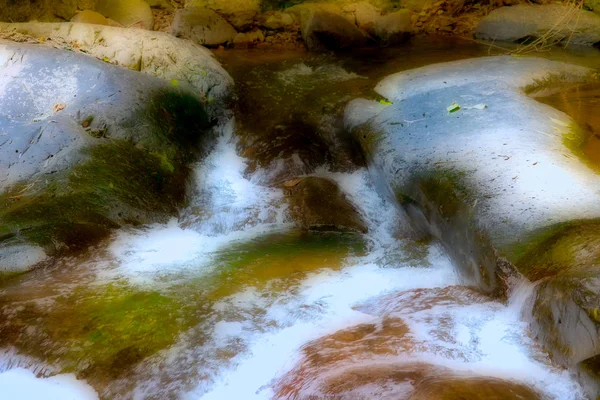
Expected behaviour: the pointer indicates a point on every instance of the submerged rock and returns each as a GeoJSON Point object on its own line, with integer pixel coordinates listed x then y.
{"type": "Point", "coordinates": [485, 168]}
{"type": "Point", "coordinates": [95, 148]}
{"type": "Point", "coordinates": [319, 204]}
{"type": "Point", "coordinates": [202, 26]}
{"type": "Point", "coordinates": [523, 23]}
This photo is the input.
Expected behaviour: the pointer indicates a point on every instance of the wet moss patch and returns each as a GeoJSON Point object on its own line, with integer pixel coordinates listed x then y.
{"type": "Point", "coordinates": [566, 248]}
{"type": "Point", "coordinates": [100, 332]}
{"type": "Point", "coordinates": [117, 183]}
{"type": "Point", "coordinates": [281, 256]}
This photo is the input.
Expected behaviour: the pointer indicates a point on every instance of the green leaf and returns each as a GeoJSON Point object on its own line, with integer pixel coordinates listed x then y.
{"type": "Point", "coordinates": [385, 102]}
{"type": "Point", "coordinates": [454, 107]}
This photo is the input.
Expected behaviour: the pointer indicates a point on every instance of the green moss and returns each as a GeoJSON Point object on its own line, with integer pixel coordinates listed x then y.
{"type": "Point", "coordinates": [279, 256]}
{"type": "Point", "coordinates": [118, 183]}
{"type": "Point", "coordinates": [445, 189]}
{"type": "Point", "coordinates": [100, 331]}
{"type": "Point", "coordinates": [571, 248]}
{"type": "Point", "coordinates": [369, 138]}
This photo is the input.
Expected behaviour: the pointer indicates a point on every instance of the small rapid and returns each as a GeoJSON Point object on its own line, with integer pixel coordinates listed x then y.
{"type": "Point", "coordinates": [232, 301]}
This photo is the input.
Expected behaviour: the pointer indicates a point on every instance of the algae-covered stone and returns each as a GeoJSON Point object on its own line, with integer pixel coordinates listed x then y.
{"type": "Point", "coordinates": [202, 26]}
{"type": "Point", "coordinates": [97, 147]}
{"type": "Point", "coordinates": [318, 204]}
{"type": "Point", "coordinates": [560, 23]}
{"type": "Point", "coordinates": [129, 13]}
{"type": "Point", "coordinates": [158, 54]}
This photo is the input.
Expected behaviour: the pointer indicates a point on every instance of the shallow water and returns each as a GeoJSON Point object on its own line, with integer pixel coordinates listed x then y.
{"type": "Point", "coordinates": [231, 301]}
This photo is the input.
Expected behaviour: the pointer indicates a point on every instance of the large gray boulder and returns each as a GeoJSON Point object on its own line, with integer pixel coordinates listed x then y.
{"type": "Point", "coordinates": [153, 53]}
{"type": "Point", "coordinates": [529, 22]}
{"type": "Point", "coordinates": [202, 26]}
{"type": "Point", "coordinates": [86, 146]}
{"type": "Point", "coordinates": [481, 166]}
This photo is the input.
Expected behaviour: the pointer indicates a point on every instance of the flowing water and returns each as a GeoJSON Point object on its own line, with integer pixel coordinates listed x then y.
{"type": "Point", "coordinates": [232, 301]}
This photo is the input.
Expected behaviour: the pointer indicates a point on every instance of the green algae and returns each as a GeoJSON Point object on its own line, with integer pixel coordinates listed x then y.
{"type": "Point", "coordinates": [570, 248]}
{"type": "Point", "coordinates": [286, 258]}
{"type": "Point", "coordinates": [117, 183]}
{"type": "Point", "coordinates": [99, 332]}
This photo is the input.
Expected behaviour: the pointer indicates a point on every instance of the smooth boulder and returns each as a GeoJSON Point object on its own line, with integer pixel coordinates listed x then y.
{"type": "Point", "coordinates": [525, 23]}
{"type": "Point", "coordinates": [325, 29]}
{"type": "Point", "coordinates": [129, 13]}
{"type": "Point", "coordinates": [158, 54]}
{"type": "Point", "coordinates": [202, 26]}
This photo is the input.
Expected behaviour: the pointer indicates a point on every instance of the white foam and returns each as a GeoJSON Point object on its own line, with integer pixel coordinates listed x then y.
{"type": "Point", "coordinates": [329, 298]}
{"type": "Point", "coordinates": [21, 384]}
{"type": "Point", "coordinates": [234, 208]}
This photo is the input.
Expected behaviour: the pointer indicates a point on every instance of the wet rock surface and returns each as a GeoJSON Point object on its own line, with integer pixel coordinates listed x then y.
{"type": "Point", "coordinates": [487, 190]}
{"type": "Point", "coordinates": [318, 204]}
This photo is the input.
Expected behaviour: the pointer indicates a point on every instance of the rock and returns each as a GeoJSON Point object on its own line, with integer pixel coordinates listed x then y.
{"type": "Point", "coordinates": [202, 26]}
{"type": "Point", "coordinates": [160, 4]}
{"type": "Point", "coordinates": [42, 10]}
{"type": "Point", "coordinates": [393, 28]}
{"type": "Point", "coordinates": [97, 147]}
{"type": "Point", "coordinates": [241, 20]}
{"type": "Point", "coordinates": [490, 178]}
{"type": "Point", "coordinates": [153, 53]}
{"type": "Point", "coordinates": [90, 17]}
{"type": "Point", "coordinates": [472, 388]}
{"type": "Point", "coordinates": [129, 13]}
{"type": "Point", "coordinates": [364, 15]}
{"type": "Point", "coordinates": [275, 20]}
{"type": "Point", "coordinates": [248, 39]}
{"type": "Point", "coordinates": [318, 204]}
{"type": "Point", "coordinates": [528, 22]}
{"type": "Point", "coordinates": [324, 30]}
{"type": "Point", "coordinates": [226, 7]}
{"type": "Point", "coordinates": [413, 5]}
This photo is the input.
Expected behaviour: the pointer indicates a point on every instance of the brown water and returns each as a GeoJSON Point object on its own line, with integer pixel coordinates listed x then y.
{"type": "Point", "coordinates": [232, 302]}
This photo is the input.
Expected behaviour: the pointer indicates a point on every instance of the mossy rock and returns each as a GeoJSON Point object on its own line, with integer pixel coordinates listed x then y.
{"type": "Point", "coordinates": [109, 147]}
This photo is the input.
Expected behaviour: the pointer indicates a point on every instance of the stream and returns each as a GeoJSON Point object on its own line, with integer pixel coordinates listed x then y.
{"type": "Point", "coordinates": [232, 301]}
